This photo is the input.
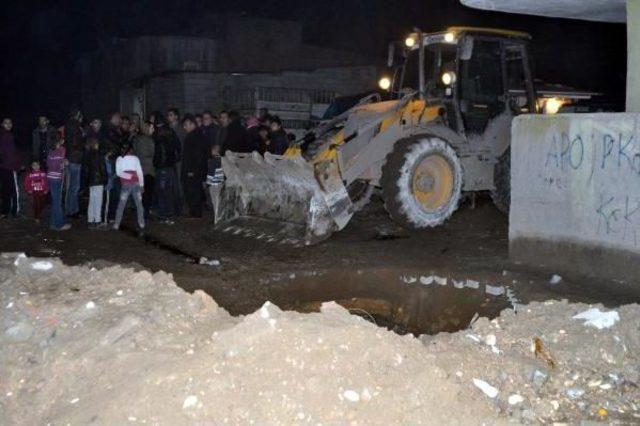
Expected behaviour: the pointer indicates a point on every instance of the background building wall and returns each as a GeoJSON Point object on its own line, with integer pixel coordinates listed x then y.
{"type": "Point", "coordinates": [633, 55]}
{"type": "Point", "coordinates": [575, 193]}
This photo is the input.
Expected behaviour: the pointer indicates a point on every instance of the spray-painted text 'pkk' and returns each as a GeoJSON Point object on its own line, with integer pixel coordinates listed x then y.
{"type": "Point", "coordinates": [568, 152]}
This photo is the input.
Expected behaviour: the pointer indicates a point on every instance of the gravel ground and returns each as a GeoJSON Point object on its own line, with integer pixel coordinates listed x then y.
{"type": "Point", "coordinates": [113, 346]}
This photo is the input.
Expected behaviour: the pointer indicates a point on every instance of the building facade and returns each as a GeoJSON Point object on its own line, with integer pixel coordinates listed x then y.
{"type": "Point", "coordinates": [232, 62]}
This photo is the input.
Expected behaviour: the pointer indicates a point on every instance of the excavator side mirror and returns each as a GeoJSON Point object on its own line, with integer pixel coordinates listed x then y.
{"type": "Point", "coordinates": [391, 54]}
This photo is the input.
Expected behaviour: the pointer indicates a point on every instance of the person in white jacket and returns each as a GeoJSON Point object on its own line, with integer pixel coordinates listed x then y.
{"type": "Point", "coordinates": [129, 170]}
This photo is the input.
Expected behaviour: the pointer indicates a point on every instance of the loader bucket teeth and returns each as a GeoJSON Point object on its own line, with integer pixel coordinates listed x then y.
{"type": "Point", "coordinates": [281, 200]}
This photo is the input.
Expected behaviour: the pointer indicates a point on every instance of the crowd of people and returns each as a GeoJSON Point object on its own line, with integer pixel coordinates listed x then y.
{"type": "Point", "coordinates": [163, 163]}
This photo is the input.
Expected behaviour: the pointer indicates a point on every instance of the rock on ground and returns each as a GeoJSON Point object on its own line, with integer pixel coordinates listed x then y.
{"type": "Point", "coordinates": [114, 346]}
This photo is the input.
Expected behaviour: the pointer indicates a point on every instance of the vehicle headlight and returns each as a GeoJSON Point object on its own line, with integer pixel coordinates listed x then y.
{"type": "Point", "coordinates": [552, 105]}
{"type": "Point", "coordinates": [449, 78]}
{"type": "Point", "coordinates": [410, 41]}
{"type": "Point", "coordinates": [384, 83]}
{"type": "Point", "coordinates": [449, 37]}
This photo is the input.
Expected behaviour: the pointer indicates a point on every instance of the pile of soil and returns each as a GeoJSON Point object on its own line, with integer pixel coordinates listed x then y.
{"type": "Point", "coordinates": [112, 346]}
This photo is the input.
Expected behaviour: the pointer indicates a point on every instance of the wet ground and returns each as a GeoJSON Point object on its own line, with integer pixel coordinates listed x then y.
{"type": "Point", "coordinates": [373, 266]}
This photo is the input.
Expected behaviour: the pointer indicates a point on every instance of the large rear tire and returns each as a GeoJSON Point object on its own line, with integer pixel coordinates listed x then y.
{"type": "Point", "coordinates": [501, 194]}
{"type": "Point", "coordinates": [421, 182]}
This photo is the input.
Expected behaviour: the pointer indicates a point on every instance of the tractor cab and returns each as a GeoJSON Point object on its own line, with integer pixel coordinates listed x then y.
{"type": "Point", "coordinates": [475, 74]}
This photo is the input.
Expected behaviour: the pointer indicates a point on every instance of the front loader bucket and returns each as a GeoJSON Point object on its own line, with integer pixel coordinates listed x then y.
{"type": "Point", "coordinates": [282, 199]}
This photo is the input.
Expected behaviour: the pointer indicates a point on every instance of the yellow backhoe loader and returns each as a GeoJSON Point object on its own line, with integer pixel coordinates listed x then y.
{"type": "Point", "coordinates": [446, 131]}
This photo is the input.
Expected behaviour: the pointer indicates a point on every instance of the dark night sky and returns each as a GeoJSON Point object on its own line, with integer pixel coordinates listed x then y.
{"type": "Point", "coordinates": [41, 40]}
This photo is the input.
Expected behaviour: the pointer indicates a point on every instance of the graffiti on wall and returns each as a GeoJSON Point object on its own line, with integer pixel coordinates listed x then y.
{"type": "Point", "coordinates": [603, 168]}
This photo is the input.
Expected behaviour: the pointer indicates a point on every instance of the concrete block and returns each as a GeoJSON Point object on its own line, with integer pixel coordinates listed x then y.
{"type": "Point", "coordinates": [575, 193]}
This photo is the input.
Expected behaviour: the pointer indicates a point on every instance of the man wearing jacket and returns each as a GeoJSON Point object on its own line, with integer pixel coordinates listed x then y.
{"type": "Point", "coordinates": [166, 154]}
{"type": "Point", "coordinates": [75, 143]}
{"type": "Point", "coordinates": [42, 138]}
{"type": "Point", "coordinates": [10, 164]}
{"type": "Point", "coordinates": [194, 165]}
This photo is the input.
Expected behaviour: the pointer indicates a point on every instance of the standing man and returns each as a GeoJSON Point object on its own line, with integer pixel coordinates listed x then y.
{"type": "Point", "coordinates": [278, 141]}
{"type": "Point", "coordinates": [165, 156]}
{"type": "Point", "coordinates": [209, 129]}
{"type": "Point", "coordinates": [113, 140]}
{"type": "Point", "coordinates": [75, 142]}
{"type": "Point", "coordinates": [173, 116]}
{"type": "Point", "coordinates": [223, 130]}
{"type": "Point", "coordinates": [9, 166]}
{"type": "Point", "coordinates": [194, 165]}
{"type": "Point", "coordinates": [42, 138]}
{"type": "Point", "coordinates": [144, 148]}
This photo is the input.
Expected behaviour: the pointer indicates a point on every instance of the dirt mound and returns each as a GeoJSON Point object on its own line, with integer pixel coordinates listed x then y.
{"type": "Point", "coordinates": [111, 346]}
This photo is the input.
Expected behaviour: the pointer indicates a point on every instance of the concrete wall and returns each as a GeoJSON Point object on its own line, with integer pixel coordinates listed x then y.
{"type": "Point", "coordinates": [633, 55]}
{"type": "Point", "coordinates": [575, 193]}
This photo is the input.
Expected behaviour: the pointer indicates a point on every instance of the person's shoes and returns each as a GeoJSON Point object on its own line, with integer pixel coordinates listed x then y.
{"type": "Point", "coordinates": [168, 222]}
{"type": "Point", "coordinates": [64, 227]}
{"type": "Point", "coordinates": [116, 227]}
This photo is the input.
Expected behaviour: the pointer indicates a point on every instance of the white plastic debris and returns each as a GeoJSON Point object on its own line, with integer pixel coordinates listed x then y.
{"type": "Point", "coordinates": [440, 280]}
{"type": "Point", "coordinates": [408, 279]}
{"type": "Point", "coordinates": [485, 387]}
{"type": "Point", "coordinates": [515, 399]}
{"type": "Point", "coordinates": [494, 290]}
{"type": "Point", "coordinates": [473, 337]}
{"type": "Point", "coordinates": [190, 401]}
{"type": "Point", "coordinates": [74, 400]}
{"type": "Point", "coordinates": [472, 284]}
{"type": "Point", "coordinates": [594, 317]}
{"type": "Point", "coordinates": [426, 280]}
{"type": "Point", "coordinates": [490, 340]}
{"type": "Point", "coordinates": [90, 305]}
{"type": "Point", "coordinates": [19, 258]}
{"type": "Point", "coordinates": [575, 393]}
{"type": "Point", "coordinates": [351, 395]}
{"type": "Point", "coordinates": [555, 279]}
{"type": "Point", "coordinates": [210, 262]}
{"type": "Point", "coordinates": [119, 292]}
{"type": "Point", "coordinates": [42, 265]}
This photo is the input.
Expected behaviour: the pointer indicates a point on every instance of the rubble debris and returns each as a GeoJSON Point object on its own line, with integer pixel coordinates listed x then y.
{"type": "Point", "coordinates": [555, 279]}
{"type": "Point", "coordinates": [210, 262]}
{"type": "Point", "coordinates": [149, 352]}
{"type": "Point", "coordinates": [594, 317]}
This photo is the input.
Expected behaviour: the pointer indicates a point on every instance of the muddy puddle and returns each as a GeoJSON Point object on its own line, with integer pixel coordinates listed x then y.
{"type": "Point", "coordinates": [402, 301]}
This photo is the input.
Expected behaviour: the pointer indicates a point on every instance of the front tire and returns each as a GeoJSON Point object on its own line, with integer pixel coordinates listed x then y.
{"type": "Point", "coordinates": [421, 182]}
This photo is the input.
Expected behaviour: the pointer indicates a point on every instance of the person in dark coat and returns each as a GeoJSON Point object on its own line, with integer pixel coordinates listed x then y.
{"type": "Point", "coordinates": [75, 144]}
{"type": "Point", "coordinates": [96, 179]}
{"type": "Point", "coordinates": [237, 138]}
{"type": "Point", "coordinates": [10, 164]}
{"type": "Point", "coordinates": [165, 157]}
{"type": "Point", "coordinates": [42, 138]}
{"type": "Point", "coordinates": [110, 147]}
{"type": "Point", "coordinates": [278, 141]}
{"type": "Point", "coordinates": [210, 129]}
{"type": "Point", "coordinates": [194, 165]}
{"type": "Point", "coordinates": [144, 148]}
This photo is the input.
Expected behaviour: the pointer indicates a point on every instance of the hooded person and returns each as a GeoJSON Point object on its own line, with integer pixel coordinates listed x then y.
{"type": "Point", "coordinates": [10, 164]}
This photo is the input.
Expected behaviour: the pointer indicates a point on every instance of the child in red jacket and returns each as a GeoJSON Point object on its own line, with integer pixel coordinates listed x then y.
{"type": "Point", "coordinates": [36, 185]}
